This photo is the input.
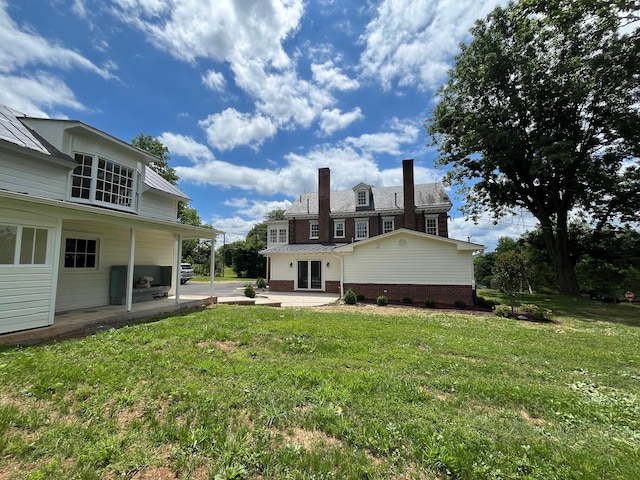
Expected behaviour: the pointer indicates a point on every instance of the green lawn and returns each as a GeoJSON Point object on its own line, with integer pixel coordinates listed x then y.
{"type": "Point", "coordinates": [338, 392]}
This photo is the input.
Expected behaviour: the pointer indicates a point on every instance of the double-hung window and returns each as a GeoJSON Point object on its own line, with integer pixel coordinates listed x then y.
{"type": "Point", "coordinates": [387, 225]}
{"type": "Point", "coordinates": [103, 182]}
{"type": "Point", "coordinates": [314, 229]}
{"type": "Point", "coordinates": [362, 229]}
{"type": "Point", "coordinates": [338, 228]}
{"type": "Point", "coordinates": [431, 224]}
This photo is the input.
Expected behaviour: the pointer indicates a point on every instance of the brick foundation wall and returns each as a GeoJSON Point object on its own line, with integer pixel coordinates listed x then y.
{"type": "Point", "coordinates": [281, 286]}
{"type": "Point", "coordinates": [332, 286]}
{"type": "Point", "coordinates": [445, 294]}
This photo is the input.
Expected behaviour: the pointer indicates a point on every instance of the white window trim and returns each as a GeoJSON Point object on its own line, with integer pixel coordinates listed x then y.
{"type": "Point", "coordinates": [18, 245]}
{"type": "Point", "coordinates": [135, 185]}
{"type": "Point", "coordinates": [335, 228]}
{"type": "Point", "coordinates": [393, 223]}
{"type": "Point", "coordinates": [285, 238]}
{"type": "Point", "coordinates": [356, 222]}
{"type": "Point", "coordinates": [273, 233]}
{"type": "Point", "coordinates": [81, 236]}
{"type": "Point", "coordinates": [433, 217]}
{"type": "Point", "coordinates": [313, 223]}
{"type": "Point", "coordinates": [366, 197]}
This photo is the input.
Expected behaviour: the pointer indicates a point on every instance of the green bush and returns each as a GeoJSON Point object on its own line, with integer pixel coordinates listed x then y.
{"type": "Point", "coordinates": [503, 311]}
{"type": "Point", "coordinates": [350, 297]}
{"type": "Point", "coordinates": [382, 300]}
{"type": "Point", "coordinates": [538, 313]}
{"type": "Point", "coordinates": [261, 283]}
{"type": "Point", "coordinates": [430, 303]}
{"type": "Point", "coordinates": [360, 297]}
{"type": "Point", "coordinates": [249, 291]}
{"type": "Point", "coordinates": [460, 304]}
{"type": "Point", "coordinates": [407, 300]}
{"type": "Point", "coordinates": [484, 303]}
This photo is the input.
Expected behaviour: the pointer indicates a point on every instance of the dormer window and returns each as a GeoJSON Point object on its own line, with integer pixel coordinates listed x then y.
{"type": "Point", "coordinates": [103, 182]}
{"type": "Point", "coordinates": [363, 198]}
{"type": "Point", "coordinates": [363, 195]}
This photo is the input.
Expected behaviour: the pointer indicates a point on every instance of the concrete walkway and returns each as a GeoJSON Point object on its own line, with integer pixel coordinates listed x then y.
{"type": "Point", "coordinates": [283, 299]}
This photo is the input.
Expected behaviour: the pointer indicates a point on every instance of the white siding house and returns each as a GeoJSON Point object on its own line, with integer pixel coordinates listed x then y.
{"type": "Point", "coordinates": [75, 202]}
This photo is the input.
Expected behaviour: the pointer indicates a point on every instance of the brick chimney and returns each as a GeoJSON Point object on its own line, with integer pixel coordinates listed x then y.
{"type": "Point", "coordinates": [409, 195]}
{"type": "Point", "coordinates": [324, 205]}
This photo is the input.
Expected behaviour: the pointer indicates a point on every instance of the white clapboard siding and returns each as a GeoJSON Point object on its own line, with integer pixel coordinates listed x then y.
{"type": "Point", "coordinates": [409, 259]}
{"type": "Point", "coordinates": [155, 205]}
{"type": "Point", "coordinates": [90, 288]}
{"type": "Point", "coordinates": [35, 177]}
{"type": "Point", "coordinates": [25, 297]}
{"type": "Point", "coordinates": [280, 269]}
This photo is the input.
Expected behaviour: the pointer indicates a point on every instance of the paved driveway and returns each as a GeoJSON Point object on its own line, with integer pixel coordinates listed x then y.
{"type": "Point", "coordinates": [220, 289]}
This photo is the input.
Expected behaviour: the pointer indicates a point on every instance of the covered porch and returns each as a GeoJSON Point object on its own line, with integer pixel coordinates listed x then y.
{"type": "Point", "coordinates": [86, 320]}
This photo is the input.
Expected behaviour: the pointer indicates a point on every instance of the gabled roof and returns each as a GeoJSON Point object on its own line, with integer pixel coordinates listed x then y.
{"type": "Point", "coordinates": [460, 244]}
{"type": "Point", "coordinates": [301, 248]}
{"type": "Point", "coordinates": [12, 130]}
{"type": "Point", "coordinates": [428, 197]}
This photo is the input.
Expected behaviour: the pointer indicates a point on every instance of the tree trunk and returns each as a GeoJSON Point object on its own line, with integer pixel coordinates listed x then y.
{"type": "Point", "coordinates": [557, 243]}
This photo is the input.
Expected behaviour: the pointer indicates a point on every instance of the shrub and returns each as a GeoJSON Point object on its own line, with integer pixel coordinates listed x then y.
{"type": "Point", "coordinates": [382, 300]}
{"type": "Point", "coordinates": [430, 303]}
{"type": "Point", "coordinates": [407, 300]}
{"type": "Point", "coordinates": [538, 313]}
{"type": "Point", "coordinates": [350, 297]}
{"type": "Point", "coordinates": [459, 304]}
{"type": "Point", "coordinates": [360, 297]}
{"type": "Point", "coordinates": [503, 311]}
{"type": "Point", "coordinates": [484, 303]}
{"type": "Point", "coordinates": [261, 283]}
{"type": "Point", "coordinates": [249, 291]}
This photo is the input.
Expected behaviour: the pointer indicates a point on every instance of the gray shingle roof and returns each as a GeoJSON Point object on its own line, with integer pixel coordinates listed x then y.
{"type": "Point", "coordinates": [431, 196]}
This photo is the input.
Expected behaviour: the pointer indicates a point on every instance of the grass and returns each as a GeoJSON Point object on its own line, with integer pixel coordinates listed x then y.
{"type": "Point", "coordinates": [229, 276]}
{"type": "Point", "coordinates": [342, 392]}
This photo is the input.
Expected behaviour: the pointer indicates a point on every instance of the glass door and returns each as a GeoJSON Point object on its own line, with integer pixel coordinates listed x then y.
{"type": "Point", "coordinates": [309, 275]}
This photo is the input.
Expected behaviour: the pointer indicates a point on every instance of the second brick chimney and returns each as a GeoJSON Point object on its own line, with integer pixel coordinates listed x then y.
{"type": "Point", "coordinates": [409, 195]}
{"type": "Point", "coordinates": [324, 205]}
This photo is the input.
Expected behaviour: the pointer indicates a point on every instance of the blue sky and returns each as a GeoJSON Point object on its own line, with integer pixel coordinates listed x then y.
{"type": "Point", "coordinates": [251, 97]}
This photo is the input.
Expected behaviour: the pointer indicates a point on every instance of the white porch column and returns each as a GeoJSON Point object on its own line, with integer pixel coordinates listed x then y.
{"type": "Point", "coordinates": [177, 273]}
{"type": "Point", "coordinates": [132, 259]}
{"type": "Point", "coordinates": [57, 248]}
{"type": "Point", "coordinates": [212, 266]}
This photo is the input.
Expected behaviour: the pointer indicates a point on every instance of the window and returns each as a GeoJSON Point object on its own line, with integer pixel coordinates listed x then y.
{"type": "Point", "coordinates": [273, 235]}
{"type": "Point", "coordinates": [338, 229]}
{"type": "Point", "coordinates": [387, 225]}
{"type": "Point", "coordinates": [314, 229]}
{"type": "Point", "coordinates": [282, 235]}
{"type": "Point", "coordinates": [362, 229]}
{"type": "Point", "coordinates": [99, 181]}
{"type": "Point", "coordinates": [80, 253]}
{"type": "Point", "coordinates": [431, 225]}
{"type": "Point", "coordinates": [23, 245]}
{"type": "Point", "coordinates": [363, 198]}
{"type": "Point", "coordinates": [277, 235]}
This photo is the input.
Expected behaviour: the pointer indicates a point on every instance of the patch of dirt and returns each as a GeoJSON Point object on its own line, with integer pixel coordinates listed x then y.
{"type": "Point", "coordinates": [155, 473]}
{"type": "Point", "coordinates": [460, 357]}
{"type": "Point", "coordinates": [226, 346]}
{"type": "Point", "coordinates": [400, 310]}
{"type": "Point", "coordinates": [307, 439]}
{"type": "Point", "coordinates": [536, 421]}
{"type": "Point", "coordinates": [126, 415]}
{"type": "Point", "coordinates": [443, 397]}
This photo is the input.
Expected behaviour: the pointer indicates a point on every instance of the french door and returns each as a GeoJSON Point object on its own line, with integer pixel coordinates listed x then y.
{"type": "Point", "coordinates": [309, 275]}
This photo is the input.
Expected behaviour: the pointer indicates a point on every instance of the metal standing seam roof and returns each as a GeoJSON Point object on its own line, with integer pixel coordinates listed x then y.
{"type": "Point", "coordinates": [426, 195]}
{"type": "Point", "coordinates": [14, 131]}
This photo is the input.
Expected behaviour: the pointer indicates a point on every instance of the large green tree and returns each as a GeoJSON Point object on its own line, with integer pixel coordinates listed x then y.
{"type": "Point", "coordinates": [542, 112]}
{"type": "Point", "coordinates": [156, 148]}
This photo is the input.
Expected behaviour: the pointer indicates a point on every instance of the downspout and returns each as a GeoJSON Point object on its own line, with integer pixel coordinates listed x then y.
{"type": "Point", "coordinates": [341, 273]}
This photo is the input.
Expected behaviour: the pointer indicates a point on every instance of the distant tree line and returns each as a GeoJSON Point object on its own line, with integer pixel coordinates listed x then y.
{"type": "Point", "coordinates": [606, 261]}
